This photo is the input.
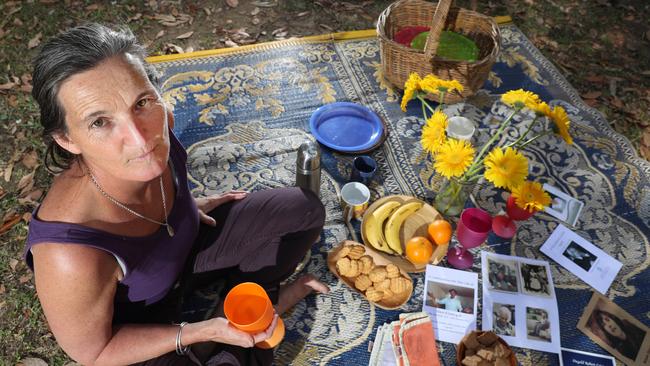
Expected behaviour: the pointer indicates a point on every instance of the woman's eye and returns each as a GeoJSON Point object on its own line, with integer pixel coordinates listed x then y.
{"type": "Point", "coordinates": [100, 122]}
{"type": "Point", "coordinates": [142, 102]}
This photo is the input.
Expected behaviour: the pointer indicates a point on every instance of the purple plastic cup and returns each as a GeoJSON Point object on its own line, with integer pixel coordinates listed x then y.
{"type": "Point", "coordinates": [473, 227]}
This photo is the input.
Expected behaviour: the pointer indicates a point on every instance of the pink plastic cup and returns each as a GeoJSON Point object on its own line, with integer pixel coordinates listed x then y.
{"type": "Point", "coordinates": [473, 227]}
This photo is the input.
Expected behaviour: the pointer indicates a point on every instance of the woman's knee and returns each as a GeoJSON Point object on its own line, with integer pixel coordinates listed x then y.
{"type": "Point", "coordinates": [303, 205]}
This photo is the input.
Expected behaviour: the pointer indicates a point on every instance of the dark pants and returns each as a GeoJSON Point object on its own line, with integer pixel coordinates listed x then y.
{"type": "Point", "coordinates": [261, 239]}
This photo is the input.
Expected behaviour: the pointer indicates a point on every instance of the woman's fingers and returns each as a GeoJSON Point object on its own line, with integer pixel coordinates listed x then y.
{"type": "Point", "coordinates": [206, 219]}
{"type": "Point", "coordinates": [268, 332]}
{"type": "Point", "coordinates": [215, 201]}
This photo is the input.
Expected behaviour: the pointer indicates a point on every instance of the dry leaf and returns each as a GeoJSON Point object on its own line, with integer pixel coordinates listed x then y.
{"type": "Point", "coordinates": [2, 289]}
{"type": "Point", "coordinates": [595, 79]}
{"type": "Point", "coordinates": [302, 14]}
{"type": "Point", "coordinates": [18, 22]}
{"type": "Point", "coordinates": [26, 277]}
{"type": "Point", "coordinates": [92, 7]}
{"type": "Point", "coordinates": [279, 30]}
{"type": "Point", "coordinates": [8, 170]}
{"type": "Point", "coordinates": [27, 217]}
{"type": "Point", "coordinates": [185, 35]}
{"type": "Point", "coordinates": [617, 102]}
{"type": "Point", "coordinates": [164, 18]}
{"type": "Point", "coordinates": [30, 159]}
{"type": "Point", "coordinates": [160, 34]}
{"type": "Point", "coordinates": [26, 181]}
{"type": "Point", "coordinates": [230, 43]}
{"type": "Point", "coordinates": [255, 11]}
{"type": "Point", "coordinates": [232, 3]}
{"type": "Point", "coordinates": [13, 263]}
{"type": "Point", "coordinates": [171, 48]}
{"type": "Point", "coordinates": [7, 86]}
{"type": "Point", "coordinates": [256, 21]}
{"type": "Point", "coordinates": [207, 11]}
{"type": "Point", "coordinates": [32, 361]}
{"type": "Point", "coordinates": [34, 42]}
{"type": "Point", "coordinates": [9, 224]}
{"type": "Point", "coordinates": [591, 95]}
{"type": "Point", "coordinates": [281, 34]}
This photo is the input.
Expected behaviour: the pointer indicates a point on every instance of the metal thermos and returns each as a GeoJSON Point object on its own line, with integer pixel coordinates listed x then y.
{"type": "Point", "coordinates": [308, 166]}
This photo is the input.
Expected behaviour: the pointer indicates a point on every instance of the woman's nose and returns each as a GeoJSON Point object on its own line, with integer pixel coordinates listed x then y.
{"type": "Point", "coordinates": [134, 132]}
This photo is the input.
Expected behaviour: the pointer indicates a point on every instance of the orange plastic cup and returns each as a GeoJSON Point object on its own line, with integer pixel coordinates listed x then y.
{"type": "Point", "coordinates": [248, 307]}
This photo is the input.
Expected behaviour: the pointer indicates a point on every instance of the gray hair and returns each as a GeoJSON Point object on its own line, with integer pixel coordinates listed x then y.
{"type": "Point", "coordinates": [72, 52]}
{"type": "Point", "coordinates": [504, 312]}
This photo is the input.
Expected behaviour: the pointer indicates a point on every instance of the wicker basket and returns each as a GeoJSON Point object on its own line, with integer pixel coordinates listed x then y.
{"type": "Point", "coordinates": [398, 61]}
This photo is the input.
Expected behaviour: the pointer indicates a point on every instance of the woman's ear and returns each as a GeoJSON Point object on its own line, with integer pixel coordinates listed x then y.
{"type": "Point", "coordinates": [66, 143]}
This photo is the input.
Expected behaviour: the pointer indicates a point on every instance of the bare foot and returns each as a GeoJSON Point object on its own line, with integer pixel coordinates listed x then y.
{"type": "Point", "coordinates": [292, 293]}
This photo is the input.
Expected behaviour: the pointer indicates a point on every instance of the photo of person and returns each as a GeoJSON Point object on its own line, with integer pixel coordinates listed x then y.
{"type": "Point", "coordinates": [580, 256]}
{"type": "Point", "coordinates": [503, 322]}
{"type": "Point", "coordinates": [502, 275]}
{"type": "Point", "coordinates": [615, 330]}
{"type": "Point", "coordinates": [563, 206]}
{"type": "Point", "coordinates": [534, 279]}
{"type": "Point", "coordinates": [450, 297]}
{"type": "Point", "coordinates": [538, 327]}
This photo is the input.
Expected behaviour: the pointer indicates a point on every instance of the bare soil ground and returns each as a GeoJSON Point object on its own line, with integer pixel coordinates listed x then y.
{"type": "Point", "coordinates": [601, 46]}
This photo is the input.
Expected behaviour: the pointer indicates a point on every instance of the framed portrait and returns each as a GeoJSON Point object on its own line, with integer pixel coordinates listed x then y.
{"type": "Point", "coordinates": [616, 331]}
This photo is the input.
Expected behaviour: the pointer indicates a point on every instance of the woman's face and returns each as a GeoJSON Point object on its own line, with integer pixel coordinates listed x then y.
{"type": "Point", "coordinates": [116, 120]}
{"type": "Point", "coordinates": [612, 327]}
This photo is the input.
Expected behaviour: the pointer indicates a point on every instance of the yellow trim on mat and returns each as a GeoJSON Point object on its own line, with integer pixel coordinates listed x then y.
{"type": "Point", "coordinates": [368, 33]}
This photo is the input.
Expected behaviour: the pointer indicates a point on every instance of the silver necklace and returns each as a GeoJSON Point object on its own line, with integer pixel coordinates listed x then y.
{"type": "Point", "coordinates": [170, 230]}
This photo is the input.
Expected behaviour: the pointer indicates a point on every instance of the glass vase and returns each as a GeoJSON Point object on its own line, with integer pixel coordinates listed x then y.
{"type": "Point", "coordinates": [452, 196]}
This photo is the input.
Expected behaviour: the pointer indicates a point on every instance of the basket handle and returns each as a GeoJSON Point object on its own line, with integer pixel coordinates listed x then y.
{"type": "Point", "coordinates": [438, 23]}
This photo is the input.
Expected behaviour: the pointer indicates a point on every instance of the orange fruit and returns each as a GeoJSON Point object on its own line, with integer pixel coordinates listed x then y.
{"type": "Point", "coordinates": [440, 231]}
{"type": "Point", "coordinates": [419, 250]}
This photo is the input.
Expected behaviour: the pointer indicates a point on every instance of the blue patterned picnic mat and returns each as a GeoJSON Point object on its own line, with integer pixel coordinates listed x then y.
{"type": "Point", "coordinates": [242, 113]}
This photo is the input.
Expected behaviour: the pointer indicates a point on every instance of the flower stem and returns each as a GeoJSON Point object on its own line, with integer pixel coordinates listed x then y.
{"type": "Point", "coordinates": [534, 138]}
{"type": "Point", "coordinates": [530, 127]}
{"type": "Point", "coordinates": [479, 158]}
{"type": "Point", "coordinates": [425, 103]}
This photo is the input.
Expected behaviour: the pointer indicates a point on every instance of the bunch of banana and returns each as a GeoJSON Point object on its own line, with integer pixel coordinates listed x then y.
{"type": "Point", "coordinates": [385, 237]}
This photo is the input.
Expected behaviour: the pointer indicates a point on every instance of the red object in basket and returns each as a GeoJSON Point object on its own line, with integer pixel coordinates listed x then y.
{"type": "Point", "coordinates": [406, 34]}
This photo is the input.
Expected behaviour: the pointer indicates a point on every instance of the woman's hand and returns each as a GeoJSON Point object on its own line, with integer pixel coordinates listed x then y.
{"type": "Point", "coordinates": [221, 331]}
{"type": "Point", "coordinates": [207, 204]}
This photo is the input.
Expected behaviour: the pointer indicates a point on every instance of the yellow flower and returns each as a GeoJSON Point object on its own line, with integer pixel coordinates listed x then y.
{"type": "Point", "coordinates": [433, 133]}
{"type": "Point", "coordinates": [433, 85]}
{"type": "Point", "coordinates": [506, 169]}
{"type": "Point", "coordinates": [430, 84]}
{"type": "Point", "coordinates": [541, 109]}
{"type": "Point", "coordinates": [454, 157]}
{"type": "Point", "coordinates": [562, 122]}
{"type": "Point", "coordinates": [411, 85]}
{"type": "Point", "coordinates": [520, 98]}
{"type": "Point", "coordinates": [451, 85]}
{"type": "Point", "coordinates": [531, 196]}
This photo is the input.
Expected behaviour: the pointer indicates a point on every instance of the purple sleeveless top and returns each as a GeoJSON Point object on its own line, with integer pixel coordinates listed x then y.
{"type": "Point", "coordinates": [153, 263]}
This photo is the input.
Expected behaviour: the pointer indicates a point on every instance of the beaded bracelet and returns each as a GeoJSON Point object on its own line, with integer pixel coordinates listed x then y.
{"type": "Point", "coordinates": [180, 349]}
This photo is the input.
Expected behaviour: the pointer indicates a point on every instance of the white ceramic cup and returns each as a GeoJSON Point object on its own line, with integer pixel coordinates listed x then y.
{"type": "Point", "coordinates": [354, 200]}
{"type": "Point", "coordinates": [460, 128]}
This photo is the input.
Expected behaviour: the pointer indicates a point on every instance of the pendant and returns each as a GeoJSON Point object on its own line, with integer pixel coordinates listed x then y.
{"type": "Point", "coordinates": [170, 231]}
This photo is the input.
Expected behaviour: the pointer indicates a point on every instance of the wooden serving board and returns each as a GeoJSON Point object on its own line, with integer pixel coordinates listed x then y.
{"type": "Point", "coordinates": [379, 260]}
{"type": "Point", "coordinates": [415, 225]}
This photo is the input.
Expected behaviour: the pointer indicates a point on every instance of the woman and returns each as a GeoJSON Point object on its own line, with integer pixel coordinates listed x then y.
{"type": "Point", "coordinates": [117, 240]}
{"type": "Point", "coordinates": [620, 334]}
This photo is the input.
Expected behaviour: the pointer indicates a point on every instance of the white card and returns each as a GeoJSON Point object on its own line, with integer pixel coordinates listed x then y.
{"type": "Point", "coordinates": [582, 258]}
{"type": "Point", "coordinates": [450, 299]}
{"type": "Point", "coordinates": [519, 302]}
{"type": "Point", "coordinates": [563, 206]}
